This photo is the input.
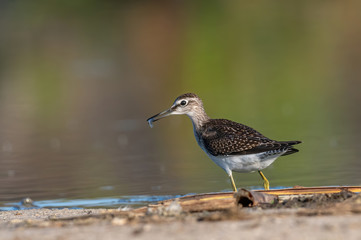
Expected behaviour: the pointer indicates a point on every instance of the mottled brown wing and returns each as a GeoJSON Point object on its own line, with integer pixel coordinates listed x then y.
{"type": "Point", "coordinates": [224, 137]}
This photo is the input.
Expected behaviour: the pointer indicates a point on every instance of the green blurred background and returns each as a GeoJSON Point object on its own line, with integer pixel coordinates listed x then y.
{"type": "Point", "coordinates": [78, 79]}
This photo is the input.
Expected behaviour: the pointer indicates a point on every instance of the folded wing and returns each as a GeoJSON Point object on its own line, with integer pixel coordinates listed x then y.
{"type": "Point", "coordinates": [225, 137]}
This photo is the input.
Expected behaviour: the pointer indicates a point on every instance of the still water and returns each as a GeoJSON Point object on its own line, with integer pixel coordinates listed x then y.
{"type": "Point", "coordinates": [124, 202]}
{"type": "Point", "coordinates": [135, 167]}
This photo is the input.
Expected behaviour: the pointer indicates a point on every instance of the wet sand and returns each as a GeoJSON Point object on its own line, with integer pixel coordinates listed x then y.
{"type": "Point", "coordinates": [312, 218]}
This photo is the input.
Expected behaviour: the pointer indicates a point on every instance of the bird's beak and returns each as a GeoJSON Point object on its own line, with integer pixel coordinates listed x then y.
{"type": "Point", "coordinates": [159, 116]}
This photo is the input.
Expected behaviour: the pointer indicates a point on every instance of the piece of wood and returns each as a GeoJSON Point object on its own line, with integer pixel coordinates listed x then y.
{"type": "Point", "coordinates": [225, 200]}
{"type": "Point", "coordinates": [311, 190]}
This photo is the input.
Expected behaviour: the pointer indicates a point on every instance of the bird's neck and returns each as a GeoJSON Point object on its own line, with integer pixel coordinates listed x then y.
{"type": "Point", "coordinates": [198, 117]}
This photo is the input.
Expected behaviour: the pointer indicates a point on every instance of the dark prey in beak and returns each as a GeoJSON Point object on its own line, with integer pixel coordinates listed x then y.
{"type": "Point", "coordinates": [159, 116]}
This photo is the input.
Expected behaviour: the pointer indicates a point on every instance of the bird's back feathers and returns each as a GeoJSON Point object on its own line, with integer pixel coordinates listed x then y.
{"type": "Point", "coordinates": [225, 137]}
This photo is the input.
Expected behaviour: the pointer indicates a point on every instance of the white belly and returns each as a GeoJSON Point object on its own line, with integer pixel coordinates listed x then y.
{"type": "Point", "coordinates": [243, 163]}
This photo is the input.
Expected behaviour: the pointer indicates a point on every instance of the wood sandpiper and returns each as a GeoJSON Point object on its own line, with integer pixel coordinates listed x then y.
{"type": "Point", "coordinates": [232, 146]}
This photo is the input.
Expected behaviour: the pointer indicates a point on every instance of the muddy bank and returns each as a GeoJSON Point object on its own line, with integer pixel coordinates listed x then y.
{"type": "Point", "coordinates": [319, 216]}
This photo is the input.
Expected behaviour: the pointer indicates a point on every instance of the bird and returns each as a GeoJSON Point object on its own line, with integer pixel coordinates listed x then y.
{"type": "Point", "coordinates": [232, 146]}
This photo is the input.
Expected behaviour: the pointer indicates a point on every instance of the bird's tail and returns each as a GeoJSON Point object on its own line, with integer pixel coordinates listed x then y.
{"type": "Point", "coordinates": [290, 148]}
{"type": "Point", "coordinates": [290, 143]}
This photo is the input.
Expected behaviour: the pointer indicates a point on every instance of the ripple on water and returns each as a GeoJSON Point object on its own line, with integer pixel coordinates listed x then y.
{"type": "Point", "coordinates": [123, 202]}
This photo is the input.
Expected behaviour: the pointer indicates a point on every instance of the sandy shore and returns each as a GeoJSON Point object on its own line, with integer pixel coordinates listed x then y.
{"type": "Point", "coordinates": [335, 220]}
{"type": "Point", "coordinates": [34, 224]}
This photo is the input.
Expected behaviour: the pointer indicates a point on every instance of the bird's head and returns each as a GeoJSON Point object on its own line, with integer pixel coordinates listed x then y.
{"type": "Point", "coordinates": [189, 104]}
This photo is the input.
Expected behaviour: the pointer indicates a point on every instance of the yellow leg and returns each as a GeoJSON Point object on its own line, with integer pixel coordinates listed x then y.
{"type": "Point", "coordinates": [233, 184]}
{"type": "Point", "coordinates": [265, 181]}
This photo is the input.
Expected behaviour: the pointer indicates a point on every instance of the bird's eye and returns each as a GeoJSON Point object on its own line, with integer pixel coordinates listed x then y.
{"type": "Point", "coordinates": [183, 103]}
